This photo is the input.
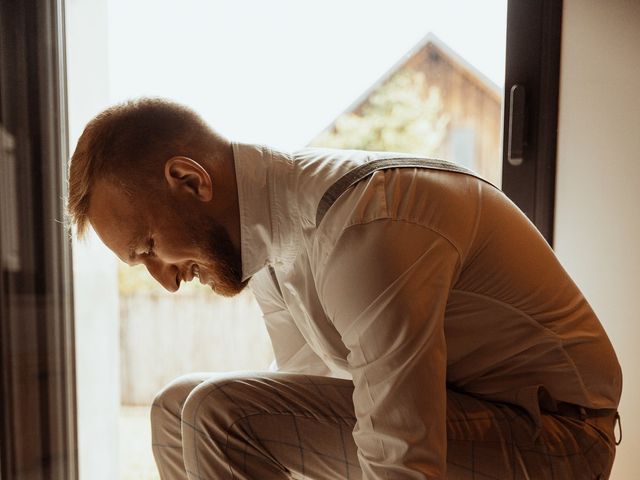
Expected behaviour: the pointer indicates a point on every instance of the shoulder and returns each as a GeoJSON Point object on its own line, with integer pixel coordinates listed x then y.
{"type": "Point", "coordinates": [447, 203]}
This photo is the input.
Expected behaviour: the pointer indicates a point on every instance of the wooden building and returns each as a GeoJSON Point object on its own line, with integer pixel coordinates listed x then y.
{"type": "Point", "coordinates": [471, 101]}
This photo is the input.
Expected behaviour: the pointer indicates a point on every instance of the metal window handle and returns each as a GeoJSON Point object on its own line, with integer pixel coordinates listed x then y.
{"type": "Point", "coordinates": [516, 125]}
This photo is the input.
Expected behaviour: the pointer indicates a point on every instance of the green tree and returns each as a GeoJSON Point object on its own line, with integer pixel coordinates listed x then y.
{"type": "Point", "coordinates": [403, 115]}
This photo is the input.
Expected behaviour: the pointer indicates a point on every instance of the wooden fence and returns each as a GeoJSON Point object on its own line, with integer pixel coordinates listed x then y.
{"type": "Point", "coordinates": [165, 336]}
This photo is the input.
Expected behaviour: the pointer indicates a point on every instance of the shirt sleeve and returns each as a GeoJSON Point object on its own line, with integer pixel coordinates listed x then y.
{"type": "Point", "coordinates": [384, 285]}
{"type": "Point", "coordinates": [291, 351]}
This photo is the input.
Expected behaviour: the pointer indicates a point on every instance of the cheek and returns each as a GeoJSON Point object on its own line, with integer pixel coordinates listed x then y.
{"type": "Point", "coordinates": [183, 248]}
{"type": "Point", "coordinates": [175, 236]}
{"type": "Point", "coordinates": [176, 251]}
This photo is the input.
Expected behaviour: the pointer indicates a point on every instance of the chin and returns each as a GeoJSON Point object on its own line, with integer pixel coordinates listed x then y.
{"type": "Point", "coordinates": [227, 291]}
{"type": "Point", "coordinates": [226, 287]}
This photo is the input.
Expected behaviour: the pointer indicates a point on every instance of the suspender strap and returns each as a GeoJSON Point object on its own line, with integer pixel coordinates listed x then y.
{"type": "Point", "coordinates": [361, 171]}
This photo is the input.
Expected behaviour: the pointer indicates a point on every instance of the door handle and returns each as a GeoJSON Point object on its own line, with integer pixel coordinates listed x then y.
{"type": "Point", "coordinates": [515, 149]}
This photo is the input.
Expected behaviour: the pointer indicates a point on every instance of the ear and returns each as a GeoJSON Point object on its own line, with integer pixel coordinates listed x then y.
{"type": "Point", "coordinates": [187, 175]}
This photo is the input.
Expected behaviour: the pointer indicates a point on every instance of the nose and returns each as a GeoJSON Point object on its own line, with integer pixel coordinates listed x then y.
{"type": "Point", "coordinates": [165, 274]}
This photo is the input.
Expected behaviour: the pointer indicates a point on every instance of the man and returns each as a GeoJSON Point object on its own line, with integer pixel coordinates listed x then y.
{"type": "Point", "coordinates": [422, 327]}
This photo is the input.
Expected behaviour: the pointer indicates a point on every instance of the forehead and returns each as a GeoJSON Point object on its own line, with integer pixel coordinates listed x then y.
{"type": "Point", "coordinates": [117, 218]}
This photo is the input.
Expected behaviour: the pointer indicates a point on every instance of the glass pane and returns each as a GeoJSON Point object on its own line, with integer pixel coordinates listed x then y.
{"type": "Point", "coordinates": [415, 76]}
{"type": "Point", "coordinates": [37, 396]}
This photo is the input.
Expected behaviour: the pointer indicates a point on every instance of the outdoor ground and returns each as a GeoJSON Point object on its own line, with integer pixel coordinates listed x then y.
{"type": "Point", "coordinates": [136, 458]}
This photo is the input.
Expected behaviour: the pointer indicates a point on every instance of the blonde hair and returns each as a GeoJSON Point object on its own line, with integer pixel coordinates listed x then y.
{"type": "Point", "coordinates": [129, 143]}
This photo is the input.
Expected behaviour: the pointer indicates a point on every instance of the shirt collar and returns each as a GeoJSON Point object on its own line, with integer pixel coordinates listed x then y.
{"type": "Point", "coordinates": [270, 229]}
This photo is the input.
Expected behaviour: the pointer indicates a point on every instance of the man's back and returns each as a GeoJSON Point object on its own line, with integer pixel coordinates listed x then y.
{"type": "Point", "coordinates": [419, 277]}
{"type": "Point", "coordinates": [514, 320]}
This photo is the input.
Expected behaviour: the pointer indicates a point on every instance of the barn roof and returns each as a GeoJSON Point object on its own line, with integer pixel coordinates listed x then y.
{"type": "Point", "coordinates": [430, 39]}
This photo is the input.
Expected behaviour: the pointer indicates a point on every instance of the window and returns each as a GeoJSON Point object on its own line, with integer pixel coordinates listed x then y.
{"type": "Point", "coordinates": [37, 348]}
{"type": "Point", "coordinates": [431, 84]}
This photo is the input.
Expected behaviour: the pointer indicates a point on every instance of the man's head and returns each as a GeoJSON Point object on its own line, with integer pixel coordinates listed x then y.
{"type": "Point", "coordinates": [158, 187]}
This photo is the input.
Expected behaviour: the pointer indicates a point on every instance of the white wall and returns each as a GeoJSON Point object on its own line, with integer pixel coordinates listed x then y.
{"type": "Point", "coordinates": [94, 268]}
{"type": "Point", "coordinates": [598, 185]}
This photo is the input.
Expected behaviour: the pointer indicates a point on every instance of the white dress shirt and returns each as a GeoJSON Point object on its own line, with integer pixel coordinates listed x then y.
{"type": "Point", "coordinates": [416, 280]}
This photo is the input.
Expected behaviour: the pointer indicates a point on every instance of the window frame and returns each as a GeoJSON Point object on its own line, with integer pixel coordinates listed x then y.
{"type": "Point", "coordinates": [534, 29]}
{"type": "Point", "coordinates": [38, 437]}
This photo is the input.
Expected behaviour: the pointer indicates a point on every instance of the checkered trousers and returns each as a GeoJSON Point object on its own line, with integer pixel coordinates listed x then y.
{"type": "Point", "coordinates": [292, 426]}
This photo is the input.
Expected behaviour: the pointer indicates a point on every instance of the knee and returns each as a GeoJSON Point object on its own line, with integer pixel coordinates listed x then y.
{"type": "Point", "coordinates": [168, 403]}
{"type": "Point", "coordinates": [217, 436]}
{"type": "Point", "coordinates": [217, 404]}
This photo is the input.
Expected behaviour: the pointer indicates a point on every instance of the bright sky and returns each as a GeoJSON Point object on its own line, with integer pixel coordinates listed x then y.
{"type": "Point", "coordinates": [279, 71]}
